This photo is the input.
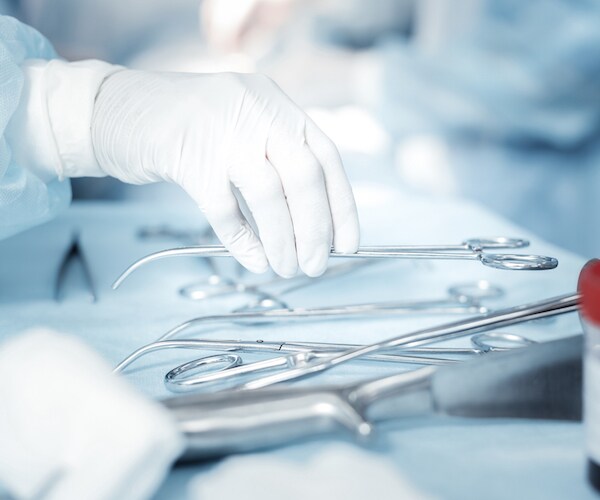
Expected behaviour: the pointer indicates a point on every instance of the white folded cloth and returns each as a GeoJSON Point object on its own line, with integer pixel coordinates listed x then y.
{"type": "Point", "coordinates": [71, 429]}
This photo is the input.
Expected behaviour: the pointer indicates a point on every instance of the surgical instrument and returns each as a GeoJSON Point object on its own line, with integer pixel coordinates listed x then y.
{"type": "Point", "coordinates": [261, 346]}
{"type": "Point", "coordinates": [179, 378]}
{"type": "Point", "coordinates": [268, 300]}
{"type": "Point", "coordinates": [303, 365]}
{"type": "Point", "coordinates": [463, 299]}
{"type": "Point", "coordinates": [541, 381]}
{"type": "Point", "coordinates": [74, 254]}
{"type": "Point", "coordinates": [481, 345]}
{"type": "Point", "coordinates": [472, 249]}
{"type": "Point", "coordinates": [219, 285]}
{"type": "Point", "coordinates": [189, 237]}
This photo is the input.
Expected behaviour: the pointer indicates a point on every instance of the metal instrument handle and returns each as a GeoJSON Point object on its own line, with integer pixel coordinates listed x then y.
{"type": "Point", "coordinates": [217, 424]}
{"type": "Point", "coordinates": [518, 262]}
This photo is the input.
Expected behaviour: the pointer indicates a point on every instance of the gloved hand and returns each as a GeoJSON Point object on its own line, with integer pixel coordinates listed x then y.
{"type": "Point", "coordinates": [69, 428]}
{"type": "Point", "coordinates": [215, 133]}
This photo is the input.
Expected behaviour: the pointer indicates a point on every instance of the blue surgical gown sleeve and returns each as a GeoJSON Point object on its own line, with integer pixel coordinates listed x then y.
{"type": "Point", "coordinates": [26, 199]}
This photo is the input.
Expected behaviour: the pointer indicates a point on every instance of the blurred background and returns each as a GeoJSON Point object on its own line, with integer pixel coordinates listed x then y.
{"type": "Point", "coordinates": [497, 101]}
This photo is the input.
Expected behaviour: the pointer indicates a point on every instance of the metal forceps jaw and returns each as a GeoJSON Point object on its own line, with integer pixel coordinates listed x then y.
{"type": "Point", "coordinates": [472, 249]}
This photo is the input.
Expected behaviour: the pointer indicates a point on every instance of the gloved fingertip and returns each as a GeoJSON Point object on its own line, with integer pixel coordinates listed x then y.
{"type": "Point", "coordinates": [287, 273]}
{"type": "Point", "coordinates": [315, 264]}
{"type": "Point", "coordinates": [346, 241]}
{"type": "Point", "coordinates": [346, 246]}
{"type": "Point", "coordinates": [256, 263]}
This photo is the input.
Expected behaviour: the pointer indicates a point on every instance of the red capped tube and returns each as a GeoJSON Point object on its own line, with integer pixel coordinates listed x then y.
{"type": "Point", "coordinates": [589, 288]}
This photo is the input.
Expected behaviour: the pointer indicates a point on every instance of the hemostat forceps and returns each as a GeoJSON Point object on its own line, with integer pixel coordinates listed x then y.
{"type": "Point", "coordinates": [180, 378]}
{"type": "Point", "coordinates": [218, 285]}
{"type": "Point", "coordinates": [513, 315]}
{"type": "Point", "coordinates": [473, 249]}
{"type": "Point", "coordinates": [266, 300]}
{"type": "Point", "coordinates": [303, 365]}
{"type": "Point", "coordinates": [462, 299]}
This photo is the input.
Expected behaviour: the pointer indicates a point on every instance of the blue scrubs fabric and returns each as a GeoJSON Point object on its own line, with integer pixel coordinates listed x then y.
{"type": "Point", "coordinates": [25, 200]}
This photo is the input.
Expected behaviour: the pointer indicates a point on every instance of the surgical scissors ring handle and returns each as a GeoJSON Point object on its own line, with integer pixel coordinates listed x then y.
{"type": "Point", "coordinates": [179, 376]}
{"type": "Point", "coordinates": [488, 341]}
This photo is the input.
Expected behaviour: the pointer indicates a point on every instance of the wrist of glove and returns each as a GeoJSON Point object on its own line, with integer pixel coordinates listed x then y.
{"type": "Point", "coordinates": [49, 132]}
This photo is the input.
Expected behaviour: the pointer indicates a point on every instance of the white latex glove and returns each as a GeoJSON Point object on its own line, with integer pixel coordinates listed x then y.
{"type": "Point", "coordinates": [216, 132]}
{"type": "Point", "coordinates": [71, 429]}
{"type": "Point", "coordinates": [212, 134]}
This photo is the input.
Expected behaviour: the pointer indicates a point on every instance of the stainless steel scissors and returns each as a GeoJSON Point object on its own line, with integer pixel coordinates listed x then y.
{"type": "Point", "coordinates": [218, 284]}
{"type": "Point", "coordinates": [472, 249]}
{"type": "Point", "coordinates": [462, 299]}
{"type": "Point", "coordinates": [303, 364]}
{"type": "Point", "coordinates": [185, 377]}
{"type": "Point", "coordinates": [299, 368]}
{"type": "Point", "coordinates": [266, 299]}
